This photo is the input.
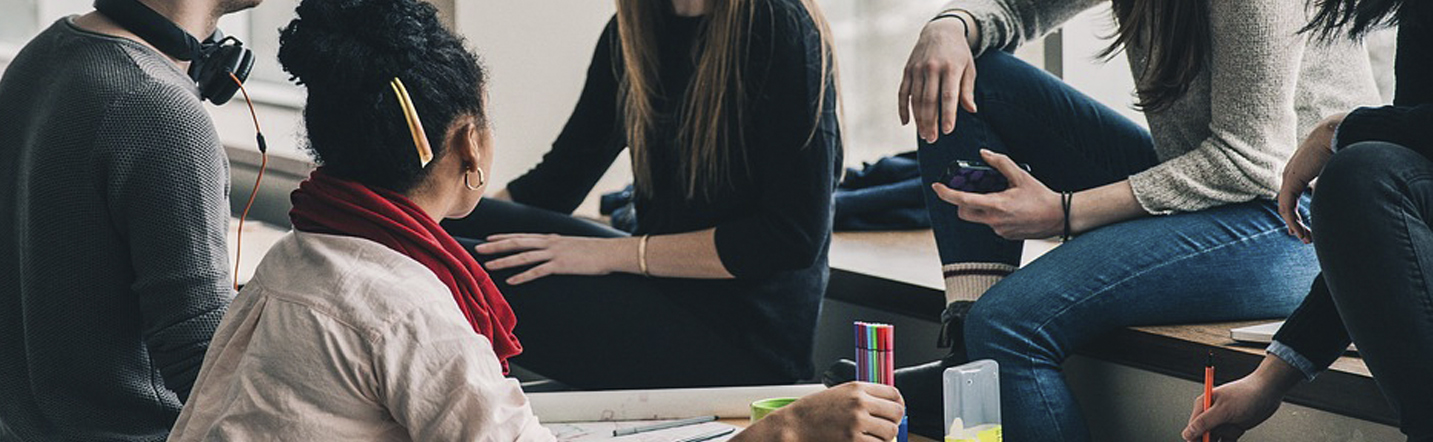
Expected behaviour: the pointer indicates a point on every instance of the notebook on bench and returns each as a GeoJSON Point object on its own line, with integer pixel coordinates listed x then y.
{"type": "Point", "coordinates": [1262, 334]}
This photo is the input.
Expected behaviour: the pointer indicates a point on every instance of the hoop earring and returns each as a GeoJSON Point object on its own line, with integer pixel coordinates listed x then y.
{"type": "Point", "coordinates": [482, 179]}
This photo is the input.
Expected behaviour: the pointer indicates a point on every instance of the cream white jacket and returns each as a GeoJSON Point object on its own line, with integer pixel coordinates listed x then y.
{"type": "Point", "coordinates": [341, 338]}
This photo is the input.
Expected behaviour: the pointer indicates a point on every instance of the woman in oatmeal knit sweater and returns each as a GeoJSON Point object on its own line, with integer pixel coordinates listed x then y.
{"type": "Point", "coordinates": [1172, 224]}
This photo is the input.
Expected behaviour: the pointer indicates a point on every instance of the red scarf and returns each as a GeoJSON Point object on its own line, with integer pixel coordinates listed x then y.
{"type": "Point", "coordinates": [328, 204]}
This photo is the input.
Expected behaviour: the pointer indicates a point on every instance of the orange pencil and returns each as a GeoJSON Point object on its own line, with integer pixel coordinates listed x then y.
{"type": "Point", "coordinates": [1208, 386]}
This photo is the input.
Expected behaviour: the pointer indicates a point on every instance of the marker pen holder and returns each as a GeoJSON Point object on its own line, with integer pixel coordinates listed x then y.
{"type": "Point", "coordinates": [876, 360]}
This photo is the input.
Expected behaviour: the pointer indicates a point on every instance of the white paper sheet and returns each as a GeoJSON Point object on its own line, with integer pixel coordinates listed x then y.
{"type": "Point", "coordinates": [675, 403]}
{"type": "Point", "coordinates": [591, 431]}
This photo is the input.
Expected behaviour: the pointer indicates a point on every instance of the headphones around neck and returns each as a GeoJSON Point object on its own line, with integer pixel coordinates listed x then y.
{"type": "Point", "coordinates": [210, 61]}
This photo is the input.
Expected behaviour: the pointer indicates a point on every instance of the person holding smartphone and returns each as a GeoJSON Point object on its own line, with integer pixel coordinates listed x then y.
{"type": "Point", "coordinates": [1370, 227]}
{"type": "Point", "coordinates": [1171, 224]}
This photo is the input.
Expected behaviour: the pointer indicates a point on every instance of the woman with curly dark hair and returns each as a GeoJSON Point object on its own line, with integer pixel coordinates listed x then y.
{"type": "Point", "coordinates": [369, 322]}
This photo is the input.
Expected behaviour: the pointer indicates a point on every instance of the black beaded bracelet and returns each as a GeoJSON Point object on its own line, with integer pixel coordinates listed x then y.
{"type": "Point", "coordinates": [964, 31]}
{"type": "Point", "coordinates": [1065, 199]}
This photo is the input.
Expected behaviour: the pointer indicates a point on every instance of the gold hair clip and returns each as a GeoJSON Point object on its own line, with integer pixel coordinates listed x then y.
{"type": "Point", "coordinates": [415, 126]}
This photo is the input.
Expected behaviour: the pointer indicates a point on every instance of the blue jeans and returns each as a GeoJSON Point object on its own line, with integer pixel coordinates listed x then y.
{"type": "Point", "coordinates": [1227, 263]}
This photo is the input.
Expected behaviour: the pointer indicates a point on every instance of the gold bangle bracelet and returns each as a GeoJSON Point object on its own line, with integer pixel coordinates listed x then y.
{"type": "Point", "coordinates": [642, 255]}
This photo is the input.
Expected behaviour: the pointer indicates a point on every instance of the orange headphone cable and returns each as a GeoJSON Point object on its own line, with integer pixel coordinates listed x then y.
{"type": "Point", "coordinates": [263, 164]}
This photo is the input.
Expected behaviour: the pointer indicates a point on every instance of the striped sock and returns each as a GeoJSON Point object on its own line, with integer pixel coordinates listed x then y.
{"type": "Point", "coordinates": [966, 281]}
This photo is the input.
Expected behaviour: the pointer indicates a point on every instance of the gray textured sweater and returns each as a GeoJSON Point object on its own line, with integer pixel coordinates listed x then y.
{"type": "Point", "coordinates": [113, 209]}
{"type": "Point", "coordinates": [1225, 141]}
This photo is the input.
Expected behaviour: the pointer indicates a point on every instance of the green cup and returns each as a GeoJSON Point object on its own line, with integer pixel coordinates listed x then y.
{"type": "Point", "coordinates": [761, 408]}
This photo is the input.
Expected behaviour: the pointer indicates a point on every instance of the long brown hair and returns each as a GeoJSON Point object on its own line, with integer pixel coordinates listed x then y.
{"type": "Point", "coordinates": [712, 125]}
{"type": "Point", "coordinates": [1175, 34]}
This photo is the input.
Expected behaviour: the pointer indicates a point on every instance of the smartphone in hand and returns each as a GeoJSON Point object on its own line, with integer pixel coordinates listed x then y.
{"type": "Point", "coordinates": [975, 177]}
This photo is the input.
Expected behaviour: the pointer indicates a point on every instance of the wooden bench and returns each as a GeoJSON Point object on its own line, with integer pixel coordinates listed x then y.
{"type": "Point", "coordinates": [899, 272]}
{"type": "Point", "coordinates": [1346, 388]}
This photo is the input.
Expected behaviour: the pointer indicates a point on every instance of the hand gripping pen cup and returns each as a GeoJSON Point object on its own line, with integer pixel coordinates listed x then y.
{"type": "Point", "coordinates": [972, 402]}
{"type": "Point", "coordinates": [875, 360]}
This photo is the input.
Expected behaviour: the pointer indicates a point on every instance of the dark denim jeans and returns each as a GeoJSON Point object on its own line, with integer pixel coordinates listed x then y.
{"type": "Point", "coordinates": [1227, 263]}
{"type": "Point", "coordinates": [1371, 214]}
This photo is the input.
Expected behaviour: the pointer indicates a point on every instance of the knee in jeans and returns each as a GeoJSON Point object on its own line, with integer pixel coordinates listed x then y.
{"type": "Point", "coordinates": [991, 326]}
{"type": "Point", "coordinates": [1367, 163]}
{"type": "Point", "coordinates": [996, 70]}
{"type": "Point", "coordinates": [1011, 323]}
{"type": "Point", "coordinates": [996, 60]}
{"type": "Point", "coordinates": [1363, 173]}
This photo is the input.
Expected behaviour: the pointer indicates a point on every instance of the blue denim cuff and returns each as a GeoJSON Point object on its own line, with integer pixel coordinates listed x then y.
{"type": "Point", "coordinates": [1292, 357]}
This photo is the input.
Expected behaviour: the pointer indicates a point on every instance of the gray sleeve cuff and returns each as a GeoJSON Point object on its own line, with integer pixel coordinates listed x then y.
{"type": "Point", "coordinates": [1292, 357]}
{"type": "Point", "coordinates": [988, 18]}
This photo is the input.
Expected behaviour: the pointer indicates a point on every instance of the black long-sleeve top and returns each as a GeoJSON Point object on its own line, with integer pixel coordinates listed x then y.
{"type": "Point", "coordinates": [1409, 121]}
{"type": "Point", "coordinates": [1314, 336]}
{"type": "Point", "coordinates": [773, 222]}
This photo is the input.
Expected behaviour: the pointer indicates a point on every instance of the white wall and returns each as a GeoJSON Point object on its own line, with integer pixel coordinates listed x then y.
{"type": "Point", "coordinates": [873, 40]}
{"type": "Point", "coordinates": [1108, 82]}
{"type": "Point", "coordinates": [537, 53]}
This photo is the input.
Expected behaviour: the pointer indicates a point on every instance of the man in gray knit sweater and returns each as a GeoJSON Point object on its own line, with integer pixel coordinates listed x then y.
{"type": "Point", "coordinates": [113, 211]}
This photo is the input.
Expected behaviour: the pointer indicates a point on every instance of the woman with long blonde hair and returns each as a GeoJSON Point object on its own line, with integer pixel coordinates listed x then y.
{"type": "Point", "coordinates": [728, 110]}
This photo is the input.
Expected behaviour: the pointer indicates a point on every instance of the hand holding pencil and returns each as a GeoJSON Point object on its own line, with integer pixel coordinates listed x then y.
{"type": "Point", "coordinates": [1237, 407]}
{"type": "Point", "coordinates": [1208, 387]}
